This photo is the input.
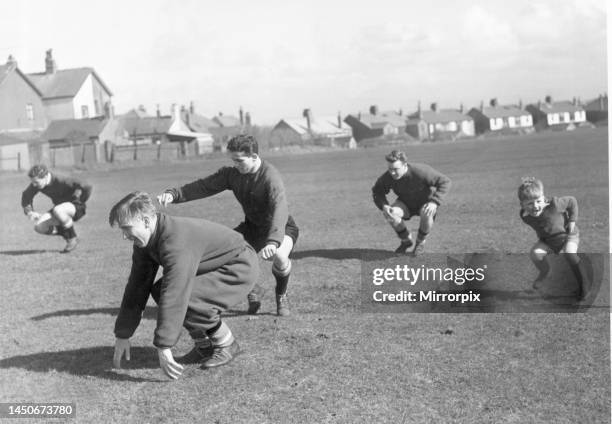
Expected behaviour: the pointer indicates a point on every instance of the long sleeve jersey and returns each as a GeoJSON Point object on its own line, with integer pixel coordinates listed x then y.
{"type": "Point", "coordinates": [420, 185]}
{"type": "Point", "coordinates": [554, 219]}
{"type": "Point", "coordinates": [60, 189]}
{"type": "Point", "coordinates": [184, 248]}
{"type": "Point", "coordinates": [261, 195]}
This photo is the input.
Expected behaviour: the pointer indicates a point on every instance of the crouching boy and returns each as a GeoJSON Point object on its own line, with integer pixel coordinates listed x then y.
{"type": "Point", "coordinates": [207, 268]}
{"type": "Point", "coordinates": [554, 221]}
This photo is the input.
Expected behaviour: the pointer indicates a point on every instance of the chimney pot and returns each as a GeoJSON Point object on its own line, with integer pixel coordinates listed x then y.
{"type": "Point", "coordinates": [434, 107]}
{"type": "Point", "coordinates": [50, 65]}
{"type": "Point", "coordinates": [373, 110]}
{"type": "Point", "coordinates": [308, 115]}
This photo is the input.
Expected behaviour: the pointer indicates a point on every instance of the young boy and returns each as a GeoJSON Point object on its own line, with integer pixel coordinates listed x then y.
{"type": "Point", "coordinates": [554, 221]}
{"type": "Point", "coordinates": [267, 225]}
{"type": "Point", "coordinates": [420, 189]}
{"type": "Point", "coordinates": [68, 196]}
{"type": "Point", "coordinates": [207, 268]}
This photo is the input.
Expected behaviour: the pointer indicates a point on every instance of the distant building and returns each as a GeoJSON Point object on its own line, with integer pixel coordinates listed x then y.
{"type": "Point", "coordinates": [597, 109]}
{"type": "Point", "coordinates": [497, 119]}
{"type": "Point", "coordinates": [376, 124]}
{"type": "Point", "coordinates": [21, 102]}
{"type": "Point", "coordinates": [76, 93]}
{"type": "Point", "coordinates": [549, 114]}
{"type": "Point", "coordinates": [321, 130]}
{"type": "Point", "coordinates": [440, 124]}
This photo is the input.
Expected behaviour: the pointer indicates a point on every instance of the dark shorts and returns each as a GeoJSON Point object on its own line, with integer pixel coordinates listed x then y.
{"type": "Point", "coordinates": [557, 243]}
{"type": "Point", "coordinates": [409, 213]}
{"type": "Point", "coordinates": [258, 237]}
{"type": "Point", "coordinates": [80, 210]}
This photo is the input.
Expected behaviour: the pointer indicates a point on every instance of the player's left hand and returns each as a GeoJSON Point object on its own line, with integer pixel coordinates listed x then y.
{"type": "Point", "coordinates": [430, 208]}
{"type": "Point", "coordinates": [122, 347]}
{"type": "Point", "coordinates": [269, 251]}
{"type": "Point", "coordinates": [168, 365]}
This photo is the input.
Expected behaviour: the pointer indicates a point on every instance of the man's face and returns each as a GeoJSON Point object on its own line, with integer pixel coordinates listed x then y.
{"type": "Point", "coordinates": [40, 183]}
{"type": "Point", "coordinates": [138, 230]}
{"type": "Point", "coordinates": [245, 164]}
{"type": "Point", "coordinates": [534, 207]}
{"type": "Point", "coordinates": [397, 169]}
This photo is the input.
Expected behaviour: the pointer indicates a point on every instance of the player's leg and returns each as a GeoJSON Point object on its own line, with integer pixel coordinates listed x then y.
{"type": "Point", "coordinates": [399, 212]}
{"type": "Point", "coordinates": [537, 254]}
{"type": "Point", "coordinates": [281, 269]}
{"type": "Point", "coordinates": [256, 295]}
{"type": "Point", "coordinates": [570, 253]}
{"type": "Point", "coordinates": [64, 213]}
{"type": "Point", "coordinates": [426, 223]}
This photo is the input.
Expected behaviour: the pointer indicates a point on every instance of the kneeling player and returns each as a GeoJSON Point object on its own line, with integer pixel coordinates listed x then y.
{"type": "Point", "coordinates": [267, 225]}
{"type": "Point", "coordinates": [419, 189]}
{"type": "Point", "coordinates": [554, 221]}
{"type": "Point", "coordinates": [68, 196]}
{"type": "Point", "coordinates": [207, 268]}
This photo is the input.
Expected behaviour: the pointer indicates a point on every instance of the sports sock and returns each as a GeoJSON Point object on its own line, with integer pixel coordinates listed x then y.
{"type": "Point", "coordinates": [404, 234]}
{"type": "Point", "coordinates": [421, 237]}
{"type": "Point", "coordinates": [67, 233]}
{"type": "Point", "coordinates": [220, 335]}
{"type": "Point", "coordinates": [199, 337]}
{"type": "Point", "coordinates": [574, 262]}
{"type": "Point", "coordinates": [282, 278]}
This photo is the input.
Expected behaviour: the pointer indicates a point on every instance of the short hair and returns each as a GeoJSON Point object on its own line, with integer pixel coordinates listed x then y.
{"type": "Point", "coordinates": [396, 155]}
{"type": "Point", "coordinates": [530, 188]}
{"type": "Point", "coordinates": [38, 171]}
{"type": "Point", "coordinates": [243, 143]}
{"type": "Point", "coordinates": [135, 204]}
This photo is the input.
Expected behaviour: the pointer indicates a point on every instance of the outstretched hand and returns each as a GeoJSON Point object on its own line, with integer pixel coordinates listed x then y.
{"type": "Point", "coordinates": [165, 199]}
{"type": "Point", "coordinates": [168, 365]}
{"type": "Point", "coordinates": [269, 251]}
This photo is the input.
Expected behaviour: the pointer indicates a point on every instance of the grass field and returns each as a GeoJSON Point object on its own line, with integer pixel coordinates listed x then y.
{"type": "Point", "coordinates": [329, 362]}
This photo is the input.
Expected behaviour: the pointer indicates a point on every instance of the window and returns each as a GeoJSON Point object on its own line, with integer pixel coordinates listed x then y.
{"type": "Point", "coordinates": [30, 112]}
{"type": "Point", "coordinates": [97, 107]}
{"type": "Point", "coordinates": [84, 111]}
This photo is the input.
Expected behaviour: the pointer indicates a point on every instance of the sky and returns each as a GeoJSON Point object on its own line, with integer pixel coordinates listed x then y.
{"type": "Point", "coordinates": [275, 58]}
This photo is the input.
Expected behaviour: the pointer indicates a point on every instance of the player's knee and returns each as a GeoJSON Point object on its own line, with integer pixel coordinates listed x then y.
{"type": "Point", "coordinates": [281, 267]}
{"type": "Point", "coordinates": [537, 254]}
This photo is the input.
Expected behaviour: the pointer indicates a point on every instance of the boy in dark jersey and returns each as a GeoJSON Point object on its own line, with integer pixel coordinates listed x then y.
{"type": "Point", "coordinates": [267, 225]}
{"type": "Point", "coordinates": [68, 196]}
{"type": "Point", "coordinates": [420, 189]}
{"type": "Point", "coordinates": [554, 221]}
{"type": "Point", "coordinates": [207, 268]}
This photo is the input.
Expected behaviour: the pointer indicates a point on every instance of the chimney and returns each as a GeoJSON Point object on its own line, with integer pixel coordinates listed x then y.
{"type": "Point", "coordinates": [175, 111]}
{"type": "Point", "coordinates": [601, 102]}
{"type": "Point", "coordinates": [11, 62]}
{"type": "Point", "coordinates": [400, 112]}
{"type": "Point", "coordinates": [339, 120]}
{"type": "Point", "coordinates": [50, 66]}
{"type": "Point", "coordinates": [434, 107]}
{"type": "Point", "coordinates": [539, 104]}
{"type": "Point", "coordinates": [158, 112]}
{"type": "Point", "coordinates": [241, 114]}
{"type": "Point", "coordinates": [574, 101]}
{"type": "Point", "coordinates": [419, 112]}
{"type": "Point", "coordinates": [520, 104]}
{"type": "Point", "coordinates": [142, 109]}
{"type": "Point", "coordinates": [493, 102]}
{"type": "Point", "coordinates": [461, 107]}
{"type": "Point", "coordinates": [109, 111]}
{"type": "Point", "coordinates": [308, 115]}
{"type": "Point", "coordinates": [373, 110]}
{"type": "Point", "coordinates": [359, 116]}
{"type": "Point", "coordinates": [220, 113]}
{"type": "Point", "coordinates": [191, 108]}
{"type": "Point", "coordinates": [548, 99]}
{"type": "Point", "coordinates": [481, 106]}
{"type": "Point", "coordinates": [247, 119]}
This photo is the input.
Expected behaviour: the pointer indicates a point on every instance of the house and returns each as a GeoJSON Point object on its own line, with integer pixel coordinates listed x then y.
{"type": "Point", "coordinates": [77, 93]}
{"type": "Point", "coordinates": [501, 119]}
{"type": "Point", "coordinates": [389, 124]}
{"type": "Point", "coordinates": [78, 141]}
{"type": "Point", "coordinates": [557, 115]}
{"type": "Point", "coordinates": [221, 128]}
{"type": "Point", "coordinates": [328, 131]}
{"type": "Point", "coordinates": [168, 133]}
{"type": "Point", "coordinates": [440, 124]}
{"type": "Point", "coordinates": [597, 109]}
{"type": "Point", "coordinates": [21, 102]}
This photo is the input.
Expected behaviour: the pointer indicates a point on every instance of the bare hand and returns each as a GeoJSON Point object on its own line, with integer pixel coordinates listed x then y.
{"type": "Point", "coordinates": [168, 365]}
{"type": "Point", "coordinates": [165, 199]}
{"type": "Point", "coordinates": [269, 251]}
{"type": "Point", "coordinates": [122, 346]}
{"type": "Point", "coordinates": [429, 209]}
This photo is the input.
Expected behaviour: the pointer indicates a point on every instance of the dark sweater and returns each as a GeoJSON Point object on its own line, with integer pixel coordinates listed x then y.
{"type": "Point", "coordinates": [60, 189]}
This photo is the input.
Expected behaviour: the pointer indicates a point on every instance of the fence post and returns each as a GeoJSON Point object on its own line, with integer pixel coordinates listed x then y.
{"type": "Point", "coordinates": [18, 161]}
{"type": "Point", "coordinates": [159, 151]}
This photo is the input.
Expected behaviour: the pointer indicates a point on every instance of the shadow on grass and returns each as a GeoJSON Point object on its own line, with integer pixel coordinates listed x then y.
{"type": "Point", "coordinates": [92, 361]}
{"type": "Point", "coordinates": [25, 252]}
{"type": "Point", "coordinates": [240, 313]}
{"type": "Point", "coordinates": [149, 313]}
{"type": "Point", "coordinates": [344, 253]}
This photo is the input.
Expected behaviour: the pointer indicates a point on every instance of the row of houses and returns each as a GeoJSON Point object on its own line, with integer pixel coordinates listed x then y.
{"type": "Point", "coordinates": [440, 124]}
{"type": "Point", "coordinates": [65, 117]}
